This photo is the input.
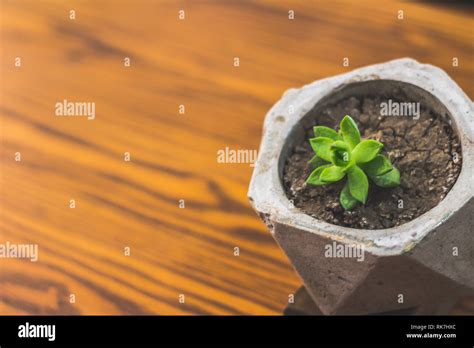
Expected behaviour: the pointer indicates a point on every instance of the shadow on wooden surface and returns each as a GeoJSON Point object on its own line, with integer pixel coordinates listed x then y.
{"type": "Point", "coordinates": [173, 251]}
{"type": "Point", "coordinates": [303, 304]}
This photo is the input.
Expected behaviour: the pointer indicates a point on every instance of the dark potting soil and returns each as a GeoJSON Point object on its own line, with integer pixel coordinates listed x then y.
{"type": "Point", "coordinates": [427, 152]}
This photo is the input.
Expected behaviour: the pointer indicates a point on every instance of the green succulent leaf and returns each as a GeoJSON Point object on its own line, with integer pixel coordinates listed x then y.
{"type": "Point", "coordinates": [366, 151]}
{"type": "Point", "coordinates": [340, 145]}
{"type": "Point", "coordinates": [340, 152]}
{"type": "Point", "coordinates": [317, 161]}
{"type": "Point", "coordinates": [387, 180]}
{"type": "Point", "coordinates": [314, 177]}
{"type": "Point", "coordinates": [378, 166]}
{"type": "Point", "coordinates": [321, 147]}
{"type": "Point", "coordinates": [345, 198]}
{"type": "Point", "coordinates": [326, 132]}
{"type": "Point", "coordinates": [332, 174]}
{"type": "Point", "coordinates": [350, 131]}
{"type": "Point", "coordinates": [358, 184]}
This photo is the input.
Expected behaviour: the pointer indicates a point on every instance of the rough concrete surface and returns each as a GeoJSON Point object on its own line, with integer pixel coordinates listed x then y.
{"type": "Point", "coordinates": [425, 264]}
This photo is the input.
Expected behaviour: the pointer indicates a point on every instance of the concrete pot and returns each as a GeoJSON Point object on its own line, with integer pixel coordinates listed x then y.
{"type": "Point", "coordinates": [410, 267]}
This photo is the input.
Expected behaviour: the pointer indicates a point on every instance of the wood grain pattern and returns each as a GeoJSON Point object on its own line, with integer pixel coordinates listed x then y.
{"type": "Point", "coordinates": [173, 251]}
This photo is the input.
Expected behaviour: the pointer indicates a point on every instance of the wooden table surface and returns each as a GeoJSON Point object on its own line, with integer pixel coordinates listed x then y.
{"type": "Point", "coordinates": [135, 204]}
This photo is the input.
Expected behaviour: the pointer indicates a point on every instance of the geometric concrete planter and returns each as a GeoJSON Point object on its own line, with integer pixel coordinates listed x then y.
{"type": "Point", "coordinates": [411, 266]}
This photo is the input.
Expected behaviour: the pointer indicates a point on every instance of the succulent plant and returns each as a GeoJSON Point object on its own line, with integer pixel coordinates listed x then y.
{"type": "Point", "coordinates": [343, 153]}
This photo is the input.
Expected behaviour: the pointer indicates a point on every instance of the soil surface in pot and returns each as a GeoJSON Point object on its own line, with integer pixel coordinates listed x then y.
{"type": "Point", "coordinates": [427, 152]}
